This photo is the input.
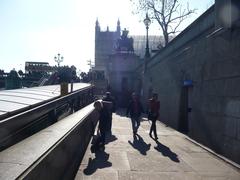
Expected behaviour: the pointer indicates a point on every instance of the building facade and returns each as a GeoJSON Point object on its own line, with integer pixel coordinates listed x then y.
{"type": "Point", "coordinates": [197, 78]}
{"type": "Point", "coordinates": [105, 42]}
{"type": "Point", "coordinates": [117, 56]}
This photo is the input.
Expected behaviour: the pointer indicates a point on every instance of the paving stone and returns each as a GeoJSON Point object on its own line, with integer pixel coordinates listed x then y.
{"type": "Point", "coordinates": [155, 162]}
{"type": "Point", "coordinates": [132, 175]}
{"type": "Point", "coordinates": [98, 175]}
{"type": "Point", "coordinates": [139, 175]}
{"type": "Point", "coordinates": [211, 167]}
{"type": "Point", "coordinates": [119, 160]}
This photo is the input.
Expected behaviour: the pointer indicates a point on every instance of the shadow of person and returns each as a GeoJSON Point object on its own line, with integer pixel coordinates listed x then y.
{"type": "Point", "coordinates": [99, 162]}
{"type": "Point", "coordinates": [166, 151]}
{"type": "Point", "coordinates": [139, 144]}
{"type": "Point", "coordinates": [110, 138]}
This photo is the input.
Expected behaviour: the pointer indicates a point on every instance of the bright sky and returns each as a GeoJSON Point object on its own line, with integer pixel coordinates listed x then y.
{"type": "Point", "coordinates": [37, 30]}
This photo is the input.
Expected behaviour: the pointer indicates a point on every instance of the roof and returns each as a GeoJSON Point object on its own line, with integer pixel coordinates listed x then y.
{"type": "Point", "coordinates": [139, 43]}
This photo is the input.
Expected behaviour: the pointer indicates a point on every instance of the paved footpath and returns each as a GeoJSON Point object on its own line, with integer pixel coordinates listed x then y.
{"type": "Point", "coordinates": [173, 157]}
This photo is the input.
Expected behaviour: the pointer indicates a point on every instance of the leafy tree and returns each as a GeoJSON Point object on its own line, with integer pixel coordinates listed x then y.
{"type": "Point", "coordinates": [84, 77]}
{"type": "Point", "coordinates": [65, 74]}
{"type": "Point", "coordinates": [169, 14]}
{"type": "Point", "coordinates": [1, 72]}
{"type": "Point", "coordinates": [20, 72]}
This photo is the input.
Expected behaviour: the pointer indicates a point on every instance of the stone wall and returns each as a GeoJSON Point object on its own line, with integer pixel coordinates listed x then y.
{"type": "Point", "coordinates": [209, 110]}
{"type": "Point", "coordinates": [120, 75]}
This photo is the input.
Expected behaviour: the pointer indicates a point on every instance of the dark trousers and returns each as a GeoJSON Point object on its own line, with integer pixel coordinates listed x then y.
{"type": "Point", "coordinates": [102, 136]}
{"type": "Point", "coordinates": [135, 123]}
{"type": "Point", "coordinates": [153, 128]}
{"type": "Point", "coordinates": [109, 125]}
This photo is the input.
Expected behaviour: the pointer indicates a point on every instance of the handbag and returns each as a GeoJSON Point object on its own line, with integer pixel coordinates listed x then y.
{"type": "Point", "coordinates": [95, 143]}
{"type": "Point", "coordinates": [152, 116]}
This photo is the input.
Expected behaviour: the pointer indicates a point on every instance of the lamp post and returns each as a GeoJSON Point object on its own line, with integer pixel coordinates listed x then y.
{"type": "Point", "coordinates": [147, 23]}
{"type": "Point", "coordinates": [58, 59]}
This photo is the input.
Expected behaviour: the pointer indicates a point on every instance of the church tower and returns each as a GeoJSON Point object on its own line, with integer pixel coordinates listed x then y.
{"type": "Point", "coordinates": [97, 27]}
{"type": "Point", "coordinates": [118, 28]}
{"type": "Point", "coordinates": [105, 43]}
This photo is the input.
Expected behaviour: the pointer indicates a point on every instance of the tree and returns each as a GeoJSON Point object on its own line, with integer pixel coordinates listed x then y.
{"type": "Point", "coordinates": [65, 74]}
{"type": "Point", "coordinates": [1, 72]}
{"type": "Point", "coordinates": [20, 72]}
{"type": "Point", "coordinates": [169, 14]}
{"type": "Point", "coordinates": [84, 77]}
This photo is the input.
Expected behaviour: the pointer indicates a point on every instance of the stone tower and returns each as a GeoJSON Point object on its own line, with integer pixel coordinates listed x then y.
{"type": "Point", "coordinates": [105, 42]}
{"type": "Point", "coordinates": [118, 28]}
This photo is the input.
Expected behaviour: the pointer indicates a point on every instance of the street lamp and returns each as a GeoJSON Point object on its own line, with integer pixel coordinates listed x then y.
{"type": "Point", "coordinates": [58, 59]}
{"type": "Point", "coordinates": [147, 23]}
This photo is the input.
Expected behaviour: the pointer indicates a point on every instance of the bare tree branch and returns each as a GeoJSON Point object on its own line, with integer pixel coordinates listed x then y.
{"type": "Point", "coordinates": [169, 14]}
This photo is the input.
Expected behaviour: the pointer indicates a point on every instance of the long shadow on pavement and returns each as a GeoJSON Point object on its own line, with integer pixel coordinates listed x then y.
{"type": "Point", "coordinates": [139, 144]}
{"type": "Point", "coordinates": [166, 151]}
{"type": "Point", "coordinates": [99, 162]}
{"type": "Point", "coordinates": [110, 138]}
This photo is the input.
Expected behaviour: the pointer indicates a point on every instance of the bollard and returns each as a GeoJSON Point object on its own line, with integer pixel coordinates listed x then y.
{"type": "Point", "coordinates": [64, 88]}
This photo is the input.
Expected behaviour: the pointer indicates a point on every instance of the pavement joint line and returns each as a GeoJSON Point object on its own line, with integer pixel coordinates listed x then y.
{"type": "Point", "coordinates": [235, 165]}
{"type": "Point", "coordinates": [20, 164]}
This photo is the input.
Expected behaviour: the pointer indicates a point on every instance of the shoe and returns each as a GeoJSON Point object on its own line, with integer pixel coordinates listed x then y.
{"type": "Point", "coordinates": [156, 138]}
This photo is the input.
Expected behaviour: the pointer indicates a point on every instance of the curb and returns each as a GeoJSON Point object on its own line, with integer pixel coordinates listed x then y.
{"type": "Point", "coordinates": [235, 165]}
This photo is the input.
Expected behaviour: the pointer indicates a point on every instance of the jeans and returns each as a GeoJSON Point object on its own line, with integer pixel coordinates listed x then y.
{"type": "Point", "coordinates": [153, 128]}
{"type": "Point", "coordinates": [135, 123]}
{"type": "Point", "coordinates": [102, 137]}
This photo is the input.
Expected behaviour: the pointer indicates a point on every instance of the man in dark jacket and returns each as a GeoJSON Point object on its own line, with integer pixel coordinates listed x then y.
{"type": "Point", "coordinates": [109, 98]}
{"type": "Point", "coordinates": [104, 118]}
{"type": "Point", "coordinates": [135, 110]}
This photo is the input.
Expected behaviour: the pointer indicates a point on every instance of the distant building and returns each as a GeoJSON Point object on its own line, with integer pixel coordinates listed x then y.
{"type": "Point", "coordinates": [116, 58]}
{"type": "Point", "coordinates": [32, 67]}
{"type": "Point", "coordinates": [106, 45]}
{"type": "Point", "coordinates": [105, 42]}
{"type": "Point", "coordinates": [139, 44]}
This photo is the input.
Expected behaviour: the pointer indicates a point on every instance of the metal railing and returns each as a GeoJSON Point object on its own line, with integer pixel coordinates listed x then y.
{"type": "Point", "coordinates": [20, 126]}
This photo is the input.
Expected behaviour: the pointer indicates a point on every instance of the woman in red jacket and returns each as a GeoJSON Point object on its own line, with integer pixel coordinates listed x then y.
{"type": "Point", "coordinates": [153, 114]}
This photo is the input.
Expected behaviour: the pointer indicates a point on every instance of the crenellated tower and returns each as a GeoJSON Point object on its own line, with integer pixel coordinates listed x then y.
{"type": "Point", "coordinates": [118, 28]}
{"type": "Point", "coordinates": [105, 44]}
{"type": "Point", "coordinates": [97, 27]}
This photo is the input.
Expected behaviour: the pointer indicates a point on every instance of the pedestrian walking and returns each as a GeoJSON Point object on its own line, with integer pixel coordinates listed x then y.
{"type": "Point", "coordinates": [104, 118]}
{"type": "Point", "coordinates": [135, 110]}
{"type": "Point", "coordinates": [109, 98]}
{"type": "Point", "coordinates": [153, 114]}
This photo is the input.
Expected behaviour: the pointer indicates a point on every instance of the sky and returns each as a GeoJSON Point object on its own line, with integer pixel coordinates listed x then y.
{"type": "Point", "coordinates": [37, 30]}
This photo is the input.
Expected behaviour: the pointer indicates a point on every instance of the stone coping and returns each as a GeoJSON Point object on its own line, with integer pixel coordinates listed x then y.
{"type": "Point", "coordinates": [21, 156]}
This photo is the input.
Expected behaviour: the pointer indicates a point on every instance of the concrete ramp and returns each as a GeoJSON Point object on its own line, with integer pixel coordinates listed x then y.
{"type": "Point", "coordinates": [173, 157]}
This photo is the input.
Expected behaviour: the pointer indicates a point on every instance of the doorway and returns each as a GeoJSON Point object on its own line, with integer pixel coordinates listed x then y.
{"type": "Point", "coordinates": [185, 109]}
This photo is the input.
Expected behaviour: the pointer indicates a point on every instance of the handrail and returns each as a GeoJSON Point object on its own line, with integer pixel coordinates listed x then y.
{"type": "Point", "coordinates": [53, 153]}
